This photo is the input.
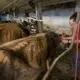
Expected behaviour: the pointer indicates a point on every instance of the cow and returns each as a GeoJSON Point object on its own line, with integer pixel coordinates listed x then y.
{"type": "Point", "coordinates": [25, 59]}
{"type": "Point", "coordinates": [11, 31]}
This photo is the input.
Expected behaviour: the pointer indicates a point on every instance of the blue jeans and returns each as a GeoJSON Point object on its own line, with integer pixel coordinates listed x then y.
{"type": "Point", "coordinates": [74, 60]}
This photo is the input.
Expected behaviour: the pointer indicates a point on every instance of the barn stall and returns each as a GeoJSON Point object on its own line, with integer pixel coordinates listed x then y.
{"type": "Point", "coordinates": [42, 49]}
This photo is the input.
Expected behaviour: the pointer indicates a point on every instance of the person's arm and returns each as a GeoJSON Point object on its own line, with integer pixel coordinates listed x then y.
{"type": "Point", "coordinates": [68, 38]}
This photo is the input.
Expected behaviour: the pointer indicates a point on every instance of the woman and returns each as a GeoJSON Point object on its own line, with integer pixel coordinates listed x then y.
{"type": "Point", "coordinates": [72, 21]}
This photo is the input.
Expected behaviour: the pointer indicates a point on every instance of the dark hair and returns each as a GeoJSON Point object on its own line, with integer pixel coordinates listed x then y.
{"type": "Point", "coordinates": [73, 16]}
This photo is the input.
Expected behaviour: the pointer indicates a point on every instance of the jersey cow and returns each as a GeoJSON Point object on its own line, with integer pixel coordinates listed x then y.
{"type": "Point", "coordinates": [11, 31]}
{"type": "Point", "coordinates": [25, 59]}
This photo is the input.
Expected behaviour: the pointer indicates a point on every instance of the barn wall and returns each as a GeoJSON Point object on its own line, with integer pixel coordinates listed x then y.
{"type": "Point", "coordinates": [58, 17]}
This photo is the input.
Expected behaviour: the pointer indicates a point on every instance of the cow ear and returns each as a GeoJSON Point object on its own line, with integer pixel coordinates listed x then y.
{"type": "Point", "coordinates": [1, 28]}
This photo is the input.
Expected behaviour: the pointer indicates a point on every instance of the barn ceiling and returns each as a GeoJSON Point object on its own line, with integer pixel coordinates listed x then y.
{"type": "Point", "coordinates": [24, 4]}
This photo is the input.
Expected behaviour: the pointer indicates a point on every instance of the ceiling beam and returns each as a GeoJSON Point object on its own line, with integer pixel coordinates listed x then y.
{"type": "Point", "coordinates": [9, 4]}
{"type": "Point", "coordinates": [46, 3]}
{"type": "Point", "coordinates": [52, 2]}
{"type": "Point", "coordinates": [23, 5]}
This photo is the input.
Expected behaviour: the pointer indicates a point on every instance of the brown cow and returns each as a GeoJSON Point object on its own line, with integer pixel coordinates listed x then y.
{"type": "Point", "coordinates": [25, 59]}
{"type": "Point", "coordinates": [11, 31]}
